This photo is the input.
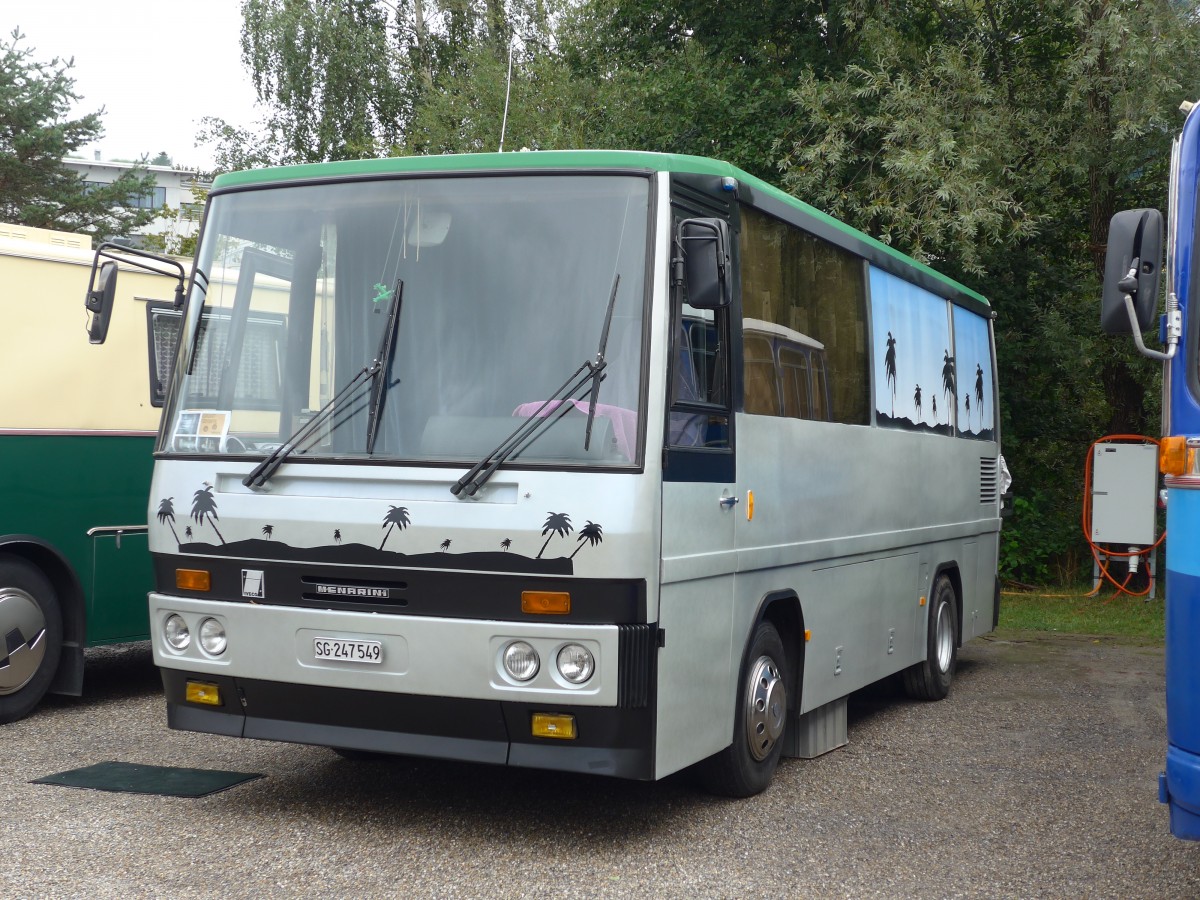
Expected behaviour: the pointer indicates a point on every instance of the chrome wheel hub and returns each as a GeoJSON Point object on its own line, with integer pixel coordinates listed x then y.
{"type": "Point", "coordinates": [22, 639]}
{"type": "Point", "coordinates": [944, 638]}
{"type": "Point", "coordinates": [766, 707]}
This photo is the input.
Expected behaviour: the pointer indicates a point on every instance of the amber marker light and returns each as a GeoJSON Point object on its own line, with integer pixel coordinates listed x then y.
{"type": "Point", "coordinates": [193, 580]}
{"type": "Point", "coordinates": [203, 692]}
{"type": "Point", "coordinates": [921, 602]}
{"type": "Point", "coordinates": [749, 505]}
{"type": "Point", "coordinates": [1174, 456]}
{"type": "Point", "coordinates": [545, 603]}
{"type": "Point", "coordinates": [547, 725]}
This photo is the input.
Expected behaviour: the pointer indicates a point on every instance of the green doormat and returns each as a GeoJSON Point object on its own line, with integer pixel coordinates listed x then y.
{"type": "Point", "coordinates": [138, 779]}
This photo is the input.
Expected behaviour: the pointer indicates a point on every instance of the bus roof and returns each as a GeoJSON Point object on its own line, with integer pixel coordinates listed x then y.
{"type": "Point", "coordinates": [571, 159]}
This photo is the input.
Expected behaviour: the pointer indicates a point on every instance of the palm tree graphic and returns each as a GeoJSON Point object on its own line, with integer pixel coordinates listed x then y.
{"type": "Point", "coordinates": [934, 401]}
{"type": "Point", "coordinates": [979, 391]}
{"type": "Point", "coordinates": [592, 533]}
{"type": "Point", "coordinates": [889, 367]}
{"type": "Point", "coordinates": [917, 402]}
{"type": "Point", "coordinates": [337, 535]}
{"type": "Point", "coordinates": [505, 544]}
{"type": "Point", "coordinates": [166, 515]}
{"type": "Point", "coordinates": [556, 523]}
{"type": "Point", "coordinates": [948, 386]}
{"type": "Point", "coordinates": [268, 530]}
{"type": "Point", "coordinates": [204, 506]}
{"type": "Point", "coordinates": [397, 517]}
{"type": "Point", "coordinates": [445, 545]}
{"type": "Point", "coordinates": [187, 532]}
{"type": "Point", "coordinates": [967, 402]}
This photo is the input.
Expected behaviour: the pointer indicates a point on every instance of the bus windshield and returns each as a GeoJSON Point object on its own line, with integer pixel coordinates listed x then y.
{"type": "Point", "coordinates": [497, 288]}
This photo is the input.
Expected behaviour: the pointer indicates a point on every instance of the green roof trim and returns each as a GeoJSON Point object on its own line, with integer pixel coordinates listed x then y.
{"type": "Point", "coordinates": [566, 159]}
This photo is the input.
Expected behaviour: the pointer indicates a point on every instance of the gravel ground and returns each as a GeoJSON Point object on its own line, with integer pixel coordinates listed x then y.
{"type": "Point", "coordinates": [1036, 778]}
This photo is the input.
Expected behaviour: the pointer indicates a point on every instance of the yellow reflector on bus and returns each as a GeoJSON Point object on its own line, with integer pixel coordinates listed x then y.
{"type": "Point", "coordinates": [749, 505]}
{"type": "Point", "coordinates": [193, 580]}
{"type": "Point", "coordinates": [545, 603]}
{"type": "Point", "coordinates": [203, 692]}
{"type": "Point", "coordinates": [1174, 457]}
{"type": "Point", "coordinates": [546, 725]}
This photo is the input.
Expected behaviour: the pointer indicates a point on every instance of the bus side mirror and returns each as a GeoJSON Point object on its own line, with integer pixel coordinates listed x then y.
{"type": "Point", "coordinates": [1131, 267]}
{"type": "Point", "coordinates": [100, 301]}
{"type": "Point", "coordinates": [706, 271]}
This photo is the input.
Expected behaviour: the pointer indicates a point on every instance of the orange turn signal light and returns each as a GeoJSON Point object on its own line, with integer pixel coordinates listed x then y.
{"type": "Point", "coordinates": [545, 603]}
{"type": "Point", "coordinates": [193, 580]}
{"type": "Point", "coordinates": [1175, 457]}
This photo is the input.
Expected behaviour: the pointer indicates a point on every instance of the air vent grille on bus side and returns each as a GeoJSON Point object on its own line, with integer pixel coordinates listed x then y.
{"type": "Point", "coordinates": [635, 649]}
{"type": "Point", "coordinates": [988, 479]}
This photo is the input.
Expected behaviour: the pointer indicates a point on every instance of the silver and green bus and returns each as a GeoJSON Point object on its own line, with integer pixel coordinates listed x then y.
{"type": "Point", "coordinates": [606, 462]}
{"type": "Point", "coordinates": [77, 426]}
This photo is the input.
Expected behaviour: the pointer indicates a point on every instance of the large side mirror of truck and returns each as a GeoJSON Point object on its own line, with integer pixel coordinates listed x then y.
{"type": "Point", "coordinates": [706, 271]}
{"type": "Point", "coordinates": [99, 301]}
{"type": "Point", "coordinates": [1135, 242]}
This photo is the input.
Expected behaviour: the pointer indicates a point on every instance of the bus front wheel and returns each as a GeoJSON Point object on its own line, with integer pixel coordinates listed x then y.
{"type": "Point", "coordinates": [930, 680]}
{"type": "Point", "coordinates": [746, 766]}
{"type": "Point", "coordinates": [30, 637]}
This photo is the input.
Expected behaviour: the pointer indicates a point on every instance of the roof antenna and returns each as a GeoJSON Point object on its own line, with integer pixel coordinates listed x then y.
{"type": "Point", "coordinates": [507, 91]}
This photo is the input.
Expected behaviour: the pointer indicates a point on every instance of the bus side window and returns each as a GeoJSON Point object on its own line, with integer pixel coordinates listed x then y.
{"type": "Point", "coordinates": [699, 392]}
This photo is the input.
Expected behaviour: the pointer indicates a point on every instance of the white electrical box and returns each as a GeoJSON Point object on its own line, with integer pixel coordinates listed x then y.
{"type": "Point", "coordinates": [1124, 493]}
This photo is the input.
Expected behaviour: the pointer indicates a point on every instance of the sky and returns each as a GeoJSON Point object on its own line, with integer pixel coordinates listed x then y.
{"type": "Point", "coordinates": [155, 66]}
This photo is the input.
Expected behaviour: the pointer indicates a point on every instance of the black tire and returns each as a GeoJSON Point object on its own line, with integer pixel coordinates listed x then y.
{"type": "Point", "coordinates": [30, 637]}
{"type": "Point", "coordinates": [930, 680]}
{"type": "Point", "coordinates": [746, 766]}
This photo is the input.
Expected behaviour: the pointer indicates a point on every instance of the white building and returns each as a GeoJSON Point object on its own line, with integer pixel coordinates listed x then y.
{"type": "Point", "coordinates": [177, 189]}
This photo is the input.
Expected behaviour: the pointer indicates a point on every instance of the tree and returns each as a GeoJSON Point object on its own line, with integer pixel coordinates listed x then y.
{"type": "Point", "coordinates": [994, 140]}
{"type": "Point", "coordinates": [36, 189]}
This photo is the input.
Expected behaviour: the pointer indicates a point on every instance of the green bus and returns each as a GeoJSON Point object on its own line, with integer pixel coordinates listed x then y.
{"type": "Point", "coordinates": [75, 461]}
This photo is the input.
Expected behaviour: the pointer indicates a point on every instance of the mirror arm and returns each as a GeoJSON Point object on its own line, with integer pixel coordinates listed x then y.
{"type": "Point", "coordinates": [1174, 329]}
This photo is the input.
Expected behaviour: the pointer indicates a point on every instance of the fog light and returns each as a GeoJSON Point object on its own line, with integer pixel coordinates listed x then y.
{"type": "Point", "coordinates": [176, 632]}
{"type": "Point", "coordinates": [521, 661]}
{"type": "Point", "coordinates": [549, 725]}
{"type": "Point", "coordinates": [212, 637]}
{"type": "Point", "coordinates": [203, 692]}
{"type": "Point", "coordinates": [575, 663]}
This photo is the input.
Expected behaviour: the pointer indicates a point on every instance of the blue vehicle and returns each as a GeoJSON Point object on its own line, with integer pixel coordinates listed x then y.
{"type": "Point", "coordinates": [1129, 306]}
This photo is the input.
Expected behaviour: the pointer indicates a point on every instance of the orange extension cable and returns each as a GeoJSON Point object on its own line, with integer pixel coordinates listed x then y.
{"type": "Point", "coordinates": [1122, 587]}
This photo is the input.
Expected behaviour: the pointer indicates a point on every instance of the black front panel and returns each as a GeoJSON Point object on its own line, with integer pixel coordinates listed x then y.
{"type": "Point", "coordinates": [611, 741]}
{"type": "Point", "coordinates": [409, 592]}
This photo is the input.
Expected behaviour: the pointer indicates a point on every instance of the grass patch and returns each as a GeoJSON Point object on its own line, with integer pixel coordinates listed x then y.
{"type": "Point", "coordinates": [1073, 612]}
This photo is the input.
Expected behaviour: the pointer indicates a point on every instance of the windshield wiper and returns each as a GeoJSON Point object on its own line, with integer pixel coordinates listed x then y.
{"type": "Point", "coordinates": [612, 299]}
{"type": "Point", "coordinates": [590, 371]}
{"type": "Point", "coordinates": [259, 476]}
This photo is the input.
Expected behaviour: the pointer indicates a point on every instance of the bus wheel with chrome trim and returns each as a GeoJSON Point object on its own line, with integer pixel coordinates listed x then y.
{"type": "Point", "coordinates": [30, 637]}
{"type": "Point", "coordinates": [746, 766]}
{"type": "Point", "coordinates": [930, 680]}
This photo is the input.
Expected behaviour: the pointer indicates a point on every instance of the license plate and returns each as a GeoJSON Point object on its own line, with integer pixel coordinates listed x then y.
{"type": "Point", "coordinates": [342, 650]}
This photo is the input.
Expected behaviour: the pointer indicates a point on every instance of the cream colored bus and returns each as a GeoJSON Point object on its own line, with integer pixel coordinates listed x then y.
{"type": "Point", "coordinates": [77, 425]}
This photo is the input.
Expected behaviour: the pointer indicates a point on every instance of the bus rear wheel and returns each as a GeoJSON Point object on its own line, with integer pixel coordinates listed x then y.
{"type": "Point", "coordinates": [930, 680]}
{"type": "Point", "coordinates": [30, 637]}
{"type": "Point", "coordinates": [746, 766]}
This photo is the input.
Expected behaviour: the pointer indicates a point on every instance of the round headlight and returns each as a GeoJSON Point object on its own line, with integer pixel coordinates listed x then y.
{"type": "Point", "coordinates": [176, 632]}
{"type": "Point", "coordinates": [520, 661]}
{"type": "Point", "coordinates": [576, 663]}
{"type": "Point", "coordinates": [212, 637]}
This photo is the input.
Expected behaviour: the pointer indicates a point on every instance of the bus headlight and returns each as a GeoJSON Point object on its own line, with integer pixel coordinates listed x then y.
{"type": "Point", "coordinates": [212, 637]}
{"type": "Point", "coordinates": [176, 632]}
{"type": "Point", "coordinates": [576, 663]}
{"type": "Point", "coordinates": [521, 661]}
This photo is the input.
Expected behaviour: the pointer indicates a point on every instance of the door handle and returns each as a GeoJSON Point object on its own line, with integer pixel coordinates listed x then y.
{"type": "Point", "coordinates": [728, 502]}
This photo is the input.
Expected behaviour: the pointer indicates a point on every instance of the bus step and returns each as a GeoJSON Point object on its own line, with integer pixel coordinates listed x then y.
{"type": "Point", "coordinates": [818, 731]}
